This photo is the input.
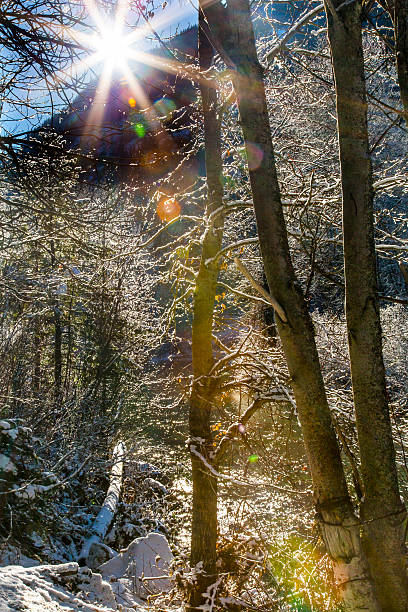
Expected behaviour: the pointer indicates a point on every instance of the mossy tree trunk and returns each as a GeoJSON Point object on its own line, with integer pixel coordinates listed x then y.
{"type": "Point", "coordinates": [204, 513]}
{"type": "Point", "coordinates": [382, 512]}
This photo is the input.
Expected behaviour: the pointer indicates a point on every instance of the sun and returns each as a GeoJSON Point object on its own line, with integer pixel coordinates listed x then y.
{"type": "Point", "coordinates": [112, 46]}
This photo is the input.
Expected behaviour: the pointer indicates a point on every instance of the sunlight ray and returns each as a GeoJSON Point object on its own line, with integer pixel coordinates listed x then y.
{"type": "Point", "coordinates": [136, 88]}
{"type": "Point", "coordinates": [95, 14]}
{"type": "Point", "coordinates": [144, 102]}
{"type": "Point", "coordinates": [172, 66]}
{"type": "Point", "coordinates": [101, 44]}
{"type": "Point", "coordinates": [94, 120]}
{"type": "Point", "coordinates": [110, 46]}
{"type": "Point", "coordinates": [162, 138]}
{"type": "Point", "coordinates": [122, 9]}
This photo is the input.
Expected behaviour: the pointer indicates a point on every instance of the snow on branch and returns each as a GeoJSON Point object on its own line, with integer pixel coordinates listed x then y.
{"type": "Point", "coordinates": [280, 311]}
{"type": "Point", "coordinates": [288, 35]}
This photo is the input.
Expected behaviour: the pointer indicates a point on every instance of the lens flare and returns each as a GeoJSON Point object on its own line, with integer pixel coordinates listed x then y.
{"type": "Point", "coordinates": [168, 209]}
{"type": "Point", "coordinates": [164, 107]}
{"type": "Point", "coordinates": [140, 129]}
{"type": "Point", "coordinates": [253, 155]}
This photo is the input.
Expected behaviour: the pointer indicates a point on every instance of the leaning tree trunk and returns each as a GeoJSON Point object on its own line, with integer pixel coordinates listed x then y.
{"type": "Point", "coordinates": [382, 512]}
{"type": "Point", "coordinates": [338, 522]}
{"type": "Point", "coordinates": [92, 544]}
{"type": "Point", "coordinates": [204, 515]}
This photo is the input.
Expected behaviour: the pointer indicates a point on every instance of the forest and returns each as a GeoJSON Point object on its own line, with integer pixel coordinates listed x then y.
{"type": "Point", "coordinates": [204, 305]}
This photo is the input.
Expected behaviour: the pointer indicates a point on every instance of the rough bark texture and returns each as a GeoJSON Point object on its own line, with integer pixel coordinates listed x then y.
{"type": "Point", "coordinates": [37, 356]}
{"type": "Point", "coordinates": [400, 19]}
{"type": "Point", "coordinates": [338, 523]}
{"type": "Point", "coordinates": [398, 11]}
{"type": "Point", "coordinates": [57, 339]}
{"type": "Point", "coordinates": [382, 512]}
{"type": "Point", "coordinates": [204, 513]}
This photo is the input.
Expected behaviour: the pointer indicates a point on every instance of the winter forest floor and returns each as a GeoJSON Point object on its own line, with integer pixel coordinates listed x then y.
{"type": "Point", "coordinates": [156, 498]}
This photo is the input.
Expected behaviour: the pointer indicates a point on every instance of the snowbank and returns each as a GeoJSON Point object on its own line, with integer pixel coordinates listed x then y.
{"type": "Point", "coordinates": [142, 568]}
{"type": "Point", "coordinates": [122, 583]}
{"type": "Point", "coordinates": [54, 588]}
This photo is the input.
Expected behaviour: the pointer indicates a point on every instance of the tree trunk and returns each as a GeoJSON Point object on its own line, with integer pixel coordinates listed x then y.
{"type": "Point", "coordinates": [400, 20]}
{"type": "Point", "coordinates": [204, 513]}
{"type": "Point", "coordinates": [337, 520]}
{"type": "Point", "coordinates": [382, 511]}
{"type": "Point", "coordinates": [37, 345]}
{"type": "Point", "coordinates": [37, 356]}
{"type": "Point", "coordinates": [57, 353]}
{"type": "Point", "coordinates": [398, 11]}
{"type": "Point", "coordinates": [57, 339]}
{"type": "Point", "coordinates": [107, 512]}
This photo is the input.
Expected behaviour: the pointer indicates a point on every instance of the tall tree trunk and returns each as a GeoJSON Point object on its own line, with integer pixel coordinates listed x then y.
{"type": "Point", "coordinates": [69, 347]}
{"type": "Point", "coordinates": [339, 525]}
{"type": "Point", "coordinates": [204, 519]}
{"type": "Point", "coordinates": [400, 20]}
{"type": "Point", "coordinates": [382, 511]}
{"type": "Point", "coordinates": [57, 339]}
{"type": "Point", "coordinates": [37, 356]}
{"type": "Point", "coordinates": [37, 345]}
{"type": "Point", "coordinates": [398, 11]}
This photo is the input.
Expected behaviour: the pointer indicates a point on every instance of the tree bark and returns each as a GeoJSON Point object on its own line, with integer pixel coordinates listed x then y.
{"type": "Point", "coordinates": [37, 356]}
{"type": "Point", "coordinates": [339, 525]}
{"type": "Point", "coordinates": [382, 512]}
{"type": "Point", "coordinates": [400, 20]}
{"type": "Point", "coordinates": [57, 340]}
{"type": "Point", "coordinates": [204, 512]}
{"type": "Point", "coordinates": [398, 11]}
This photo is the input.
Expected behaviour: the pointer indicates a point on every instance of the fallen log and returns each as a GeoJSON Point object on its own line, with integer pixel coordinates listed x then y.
{"type": "Point", "coordinates": [94, 551]}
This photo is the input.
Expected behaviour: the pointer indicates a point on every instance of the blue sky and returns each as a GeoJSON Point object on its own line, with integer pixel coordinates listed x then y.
{"type": "Point", "coordinates": [178, 15]}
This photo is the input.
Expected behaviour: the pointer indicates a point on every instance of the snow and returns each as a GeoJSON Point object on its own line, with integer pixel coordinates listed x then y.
{"type": "Point", "coordinates": [121, 583]}
{"type": "Point", "coordinates": [13, 433]}
{"type": "Point", "coordinates": [6, 464]}
{"type": "Point", "coordinates": [142, 466]}
{"type": "Point", "coordinates": [135, 566]}
{"type": "Point", "coordinates": [29, 491]}
{"type": "Point", "coordinates": [210, 596]}
{"type": "Point", "coordinates": [13, 556]}
{"type": "Point", "coordinates": [156, 485]}
{"type": "Point", "coordinates": [107, 512]}
{"type": "Point", "coordinates": [108, 509]}
{"type": "Point", "coordinates": [49, 588]}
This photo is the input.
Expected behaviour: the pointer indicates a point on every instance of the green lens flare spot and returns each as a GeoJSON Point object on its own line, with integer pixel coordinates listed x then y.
{"type": "Point", "coordinates": [253, 458]}
{"type": "Point", "coordinates": [140, 129]}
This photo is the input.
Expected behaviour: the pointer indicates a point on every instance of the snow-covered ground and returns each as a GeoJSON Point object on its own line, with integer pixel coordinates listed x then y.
{"type": "Point", "coordinates": [48, 588]}
{"type": "Point", "coordinates": [125, 582]}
